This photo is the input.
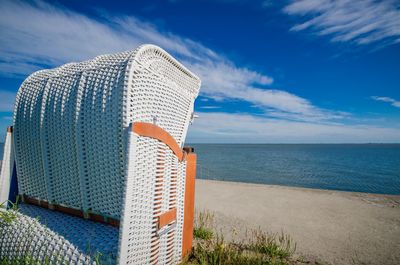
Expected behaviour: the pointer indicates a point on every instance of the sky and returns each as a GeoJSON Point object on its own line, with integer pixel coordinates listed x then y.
{"type": "Point", "coordinates": [309, 71]}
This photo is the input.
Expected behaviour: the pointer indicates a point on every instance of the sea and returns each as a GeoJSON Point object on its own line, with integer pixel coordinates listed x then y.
{"type": "Point", "coordinates": [372, 168]}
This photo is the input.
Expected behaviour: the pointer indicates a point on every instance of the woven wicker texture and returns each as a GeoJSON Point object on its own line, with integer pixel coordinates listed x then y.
{"type": "Point", "coordinates": [43, 235]}
{"type": "Point", "coordinates": [74, 145]}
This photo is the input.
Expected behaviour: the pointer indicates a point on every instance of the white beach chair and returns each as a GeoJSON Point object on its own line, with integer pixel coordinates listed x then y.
{"type": "Point", "coordinates": [99, 162]}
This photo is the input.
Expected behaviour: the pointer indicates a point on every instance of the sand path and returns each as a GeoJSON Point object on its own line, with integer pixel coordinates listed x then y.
{"type": "Point", "coordinates": [336, 227]}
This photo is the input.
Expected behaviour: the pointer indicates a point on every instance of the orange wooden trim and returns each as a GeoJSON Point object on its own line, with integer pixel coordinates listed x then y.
{"type": "Point", "coordinates": [113, 222]}
{"type": "Point", "coordinates": [30, 200]}
{"type": "Point", "coordinates": [166, 218]}
{"type": "Point", "coordinates": [156, 132]}
{"type": "Point", "coordinates": [188, 217]}
{"type": "Point", "coordinates": [70, 211]}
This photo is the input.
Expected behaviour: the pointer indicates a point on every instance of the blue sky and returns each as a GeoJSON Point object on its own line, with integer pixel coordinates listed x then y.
{"type": "Point", "coordinates": [272, 71]}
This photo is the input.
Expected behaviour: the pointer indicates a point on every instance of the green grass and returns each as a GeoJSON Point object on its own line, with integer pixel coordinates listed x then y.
{"type": "Point", "coordinates": [261, 249]}
{"type": "Point", "coordinates": [258, 247]}
{"type": "Point", "coordinates": [203, 226]}
{"type": "Point", "coordinates": [279, 246]}
{"type": "Point", "coordinates": [6, 216]}
{"type": "Point", "coordinates": [203, 233]}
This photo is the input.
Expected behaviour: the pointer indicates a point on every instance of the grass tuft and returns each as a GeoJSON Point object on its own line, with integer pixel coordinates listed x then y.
{"type": "Point", "coordinates": [274, 245]}
{"type": "Point", "coordinates": [7, 216]}
{"type": "Point", "coordinates": [203, 226]}
{"type": "Point", "coordinates": [203, 233]}
{"type": "Point", "coordinates": [256, 248]}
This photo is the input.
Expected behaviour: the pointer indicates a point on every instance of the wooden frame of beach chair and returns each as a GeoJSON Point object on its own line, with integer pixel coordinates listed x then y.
{"type": "Point", "coordinates": [100, 142]}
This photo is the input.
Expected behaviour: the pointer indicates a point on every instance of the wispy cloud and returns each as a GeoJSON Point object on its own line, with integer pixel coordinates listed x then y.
{"type": "Point", "coordinates": [393, 102]}
{"type": "Point", "coordinates": [360, 22]}
{"type": "Point", "coordinates": [223, 81]}
{"type": "Point", "coordinates": [240, 128]}
{"type": "Point", "coordinates": [210, 107]}
{"type": "Point", "coordinates": [37, 35]}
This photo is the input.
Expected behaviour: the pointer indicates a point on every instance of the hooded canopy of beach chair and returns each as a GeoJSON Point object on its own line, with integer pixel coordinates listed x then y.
{"type": "Point", "coordinates": [104, 138]}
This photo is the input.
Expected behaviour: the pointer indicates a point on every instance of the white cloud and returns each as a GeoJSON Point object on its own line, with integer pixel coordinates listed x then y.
{"type": "Point", "coordinates": [241, 128]}
{"type": "Point", "coordinates": [210, 107]}
{"type": "Point", "coordinates": [42, 34]}
{"type": "Point", "coordinates": [39, 34]}
{"type": "Point", "coordinates": [361, 22]}
{"type": "Point", "coordinates": [7, 99]}
{"type": "Point", "coordinates": [36, 35]}
{"type": "Point", "coordinates": [393, 102]}
{"type": "Point", "coordinates": [223, 81]}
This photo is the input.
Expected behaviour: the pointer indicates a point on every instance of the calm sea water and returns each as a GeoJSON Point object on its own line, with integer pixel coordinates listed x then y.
{"type": "Point", "coordinates": [371, 168]}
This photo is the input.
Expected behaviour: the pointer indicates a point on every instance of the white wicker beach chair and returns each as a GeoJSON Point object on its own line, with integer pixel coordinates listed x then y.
{"type": "Point", "coordinates": [101, 169]}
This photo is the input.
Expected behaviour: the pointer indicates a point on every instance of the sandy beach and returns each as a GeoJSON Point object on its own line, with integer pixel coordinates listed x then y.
{"type": "Point", "coordinates": [331, 226]}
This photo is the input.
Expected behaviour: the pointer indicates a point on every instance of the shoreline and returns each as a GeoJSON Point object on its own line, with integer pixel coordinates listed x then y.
{"type": "Point", "coordinates": [301, 188]}
{"type": "Point", "coordinates": [332, 226]}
